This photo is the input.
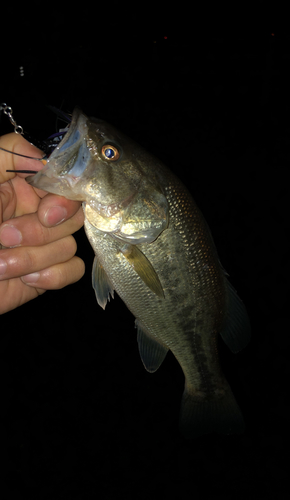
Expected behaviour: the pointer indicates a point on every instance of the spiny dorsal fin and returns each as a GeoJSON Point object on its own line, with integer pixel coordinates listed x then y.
{"type": "Point", "coordinates": [143, 268]}
{"type": "Point", "coordinates": [151, 352]}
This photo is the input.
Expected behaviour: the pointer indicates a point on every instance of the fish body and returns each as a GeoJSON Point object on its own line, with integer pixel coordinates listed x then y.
{"type": "Point", "coordinates": [153, 247]}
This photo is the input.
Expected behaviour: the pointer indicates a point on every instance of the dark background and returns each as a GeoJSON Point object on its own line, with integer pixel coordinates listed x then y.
{"type": "Point", "coordinates": [81, 415]}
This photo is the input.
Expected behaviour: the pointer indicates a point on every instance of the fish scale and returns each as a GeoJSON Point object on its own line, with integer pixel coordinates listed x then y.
{"type": "Point", "coordinates": [157, 253]}
{"type": "Point", "coordinates": [182, 321]}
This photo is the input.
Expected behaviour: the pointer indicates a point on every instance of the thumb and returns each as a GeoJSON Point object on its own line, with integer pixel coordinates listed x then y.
{"type": "Point", "coordinates": [17, 144]}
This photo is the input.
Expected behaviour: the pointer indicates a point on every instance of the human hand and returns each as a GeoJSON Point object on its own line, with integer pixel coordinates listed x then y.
{"type": "Point", "coordinates": [35, 230]}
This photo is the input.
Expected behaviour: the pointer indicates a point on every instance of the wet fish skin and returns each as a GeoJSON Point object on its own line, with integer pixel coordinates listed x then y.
{"type": "Point", "coordinates": [154, 248]}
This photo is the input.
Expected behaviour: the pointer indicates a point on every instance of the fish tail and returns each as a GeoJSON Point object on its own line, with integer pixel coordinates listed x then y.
{"type": "Point", "coordinates": [218, 414]}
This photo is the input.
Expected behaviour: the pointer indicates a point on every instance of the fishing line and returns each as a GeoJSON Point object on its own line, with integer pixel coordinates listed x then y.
{"type": "Point", "coordinates": [23, 171]}
{"type": "Point", "coordinates": [24, 156]}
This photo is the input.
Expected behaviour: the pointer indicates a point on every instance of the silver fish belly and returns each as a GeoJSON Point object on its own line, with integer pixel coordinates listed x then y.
{"type": "Point", "coordinates": [153, 247]}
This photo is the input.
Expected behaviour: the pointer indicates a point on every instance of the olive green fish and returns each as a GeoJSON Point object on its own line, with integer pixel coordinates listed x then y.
{"type": "Point", "coordinates": [153, 247]}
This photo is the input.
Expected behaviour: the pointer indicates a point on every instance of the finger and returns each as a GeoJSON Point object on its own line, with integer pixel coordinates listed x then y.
{"type": "Point", "coordinates": [16, 143]}
{"type": "Point", "coordinates": [7, 201]}
{"type": "Point", "coordinates": [21, 261]}
{"type": "Point", "coordinates": [28, 231]}
{"type": "Point", "coordinates": [14, 293]}
{"type": "Point", "coordinates": [58, 276]}
{"type": "Point", "coordinates": [55, 209]}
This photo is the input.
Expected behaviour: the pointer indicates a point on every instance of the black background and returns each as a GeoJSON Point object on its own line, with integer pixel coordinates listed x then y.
{"type": "Point", "coordinates": [81, 415]}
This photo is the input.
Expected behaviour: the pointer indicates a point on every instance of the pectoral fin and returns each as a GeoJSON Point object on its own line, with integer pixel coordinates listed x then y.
{"type": "Point", "coordinates": [143, 268]}
{"type": "Point", "coordinates": [101, 284]}
{"type": "Point", "coordinates": [151, 352]}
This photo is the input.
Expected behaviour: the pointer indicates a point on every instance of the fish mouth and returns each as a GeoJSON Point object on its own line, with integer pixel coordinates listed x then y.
{"type": "Point", "coordinates": [67, 162]}
{"type": "Point", "coordinates": [78, 123]}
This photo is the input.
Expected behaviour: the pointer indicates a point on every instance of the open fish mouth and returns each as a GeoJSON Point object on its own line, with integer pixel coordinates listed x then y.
{"type": "Point", "coordinates": [67, 162]}
{"type": "Point", "coordinates": [70, 137]}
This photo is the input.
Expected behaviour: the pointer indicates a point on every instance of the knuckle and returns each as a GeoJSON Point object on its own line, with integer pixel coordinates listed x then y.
{"type": "Point", "coordinates": [68, 246]}
{"type": "Point", "coordinates": [52, 278]}
{"type": "Point", "coordinates": [64, 274]}
{"type": "Point", "coordinates": [28, 259]}
{"type": "Point", "coordinates": [34, 232]}
{"type": "Point", "coordinates": [44, 235]}
{"type": "Point", "coordinates": [60, 277]}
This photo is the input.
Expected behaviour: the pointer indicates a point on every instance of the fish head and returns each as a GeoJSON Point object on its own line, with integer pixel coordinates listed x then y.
{"type": "Point", "coordinates": [96, 164]}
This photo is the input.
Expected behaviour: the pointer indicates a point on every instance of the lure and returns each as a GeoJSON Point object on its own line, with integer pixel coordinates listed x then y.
{"type": "Point", "coordinates": [47, 145]}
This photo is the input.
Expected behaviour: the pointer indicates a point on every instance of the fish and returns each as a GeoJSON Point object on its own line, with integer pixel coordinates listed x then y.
{"type": "Point", "coordinates": [154, 248]}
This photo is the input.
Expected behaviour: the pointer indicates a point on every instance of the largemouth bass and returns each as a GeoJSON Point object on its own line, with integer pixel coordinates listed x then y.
{"type": "Point", "coordinates": [153, 247]}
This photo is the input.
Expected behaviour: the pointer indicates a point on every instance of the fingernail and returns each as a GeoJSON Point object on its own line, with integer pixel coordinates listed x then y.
{"type": "Point", "coordinates": [30, 278]}
{"type": "Point", "coordinates": [3, 266]}
{"type": "Point", "coordinates": [10, 236]}
{"type": "Point", "coordinates": [55, 215]}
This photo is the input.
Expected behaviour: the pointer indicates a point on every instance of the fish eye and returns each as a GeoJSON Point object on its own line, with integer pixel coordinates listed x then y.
{"type": "Point", "coordinates": [110, 152]}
